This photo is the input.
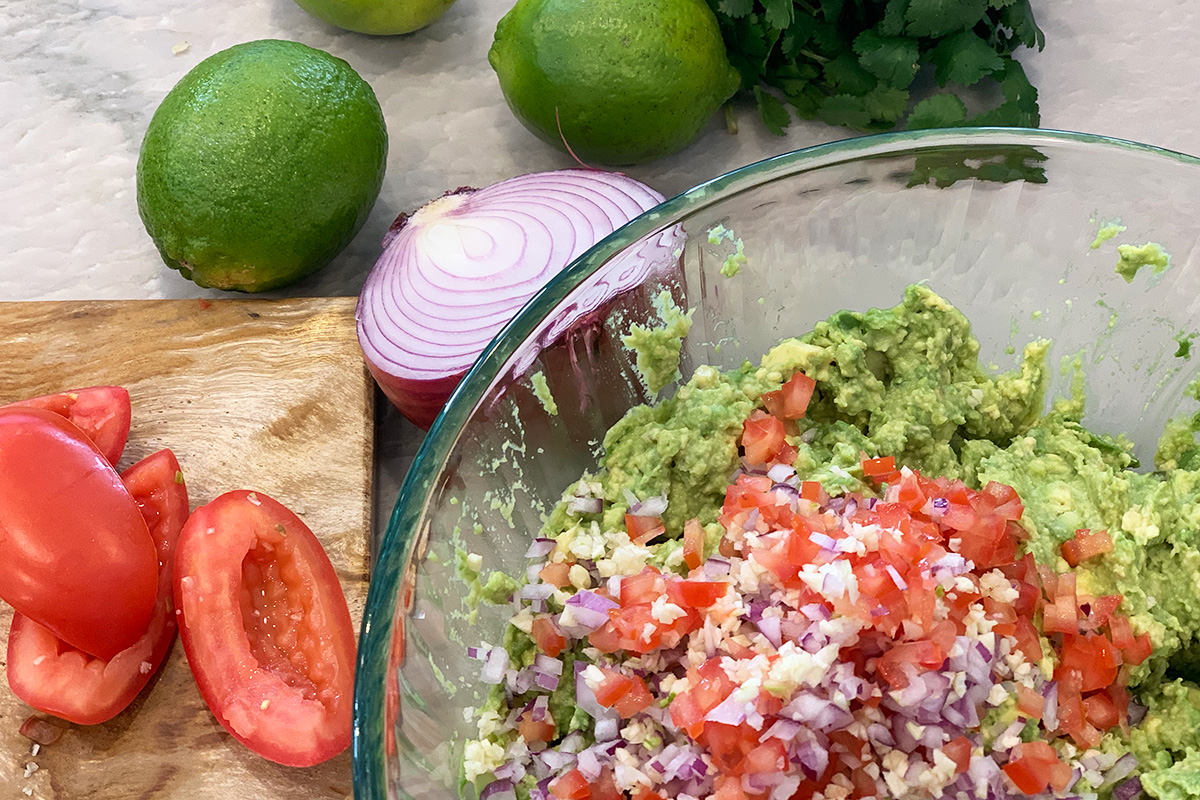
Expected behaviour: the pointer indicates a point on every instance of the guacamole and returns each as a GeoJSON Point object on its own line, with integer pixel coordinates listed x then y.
{"type": "Point", "coordinates": [898, 399]}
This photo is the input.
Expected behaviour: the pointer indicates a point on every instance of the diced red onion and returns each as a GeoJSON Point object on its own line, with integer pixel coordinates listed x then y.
{"type": "Point", "coordinates": [815, 611]}
{"type": "Point", "coordinates": [478, 653]}
{"type": "Point", "coordinates": [716, 567]}
{"type": "Point", "coordinates": [519, 681]}
{"type": "Point", "coordinates": [540, 548]}
{"type": "Point", "coordinates": [533, 573]}
{"type": "Point", "coordinates": [585, 612]}
{"type": "Point", "coordinates": [498, 790]}
{"type": "Point", "coordinates": [650, 507]}
{"type": "Point", "coordinates": [457, 270]}
{"type": "Point", "coordinates": [823, 540]}
{"type": "Point", "coordinates": [780, 473]}
{"type": "Point", "coordinates": [585, 505]}
{"type": "Point", "coordinates": [901, 584]}
{"type": "Point", "coordinates": [537, 591]}
{"type": "Point", "coordinates": [1121, 769]}
{"type": "Point", "coordinates": [607, 728]}
{"type": "Point", "coordinates": [784, 729]}
{"type": "Point", "coordinates": [1127, 790]}
{"type": "Point", "coordinates": [1137, 712]}
{"type": "Point", "coordinates": [495, 666]}
{"type": "Point", "coordinates": [1050, 707]}
{"type": "Point", "coordinates": [729, 711]}
{"type": "Point", "coordinates": [770, 628]}
{"type": "Point", "coordinates": [511, 771]}
{"type": "Point", "coordinates": [614, 586]}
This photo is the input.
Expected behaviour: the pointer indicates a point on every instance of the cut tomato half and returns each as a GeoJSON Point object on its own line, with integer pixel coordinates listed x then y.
{"type": "Point", "coordinates": [51, 676]}
{"type": "Point", "coordinates": [266, 628]}
{"type": "Point", "coordinates": [102, 413]}
{"type": "Point", "coordinates": [77, 556]}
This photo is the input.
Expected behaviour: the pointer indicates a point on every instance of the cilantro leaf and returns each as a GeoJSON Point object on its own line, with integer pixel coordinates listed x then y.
{"type": "Point", "coordinates": [1020, 107]}
{"type": "Point", "coordinates": [736, 8]}
{"type": "Point", "coordinates": [1000, 3]}
{"type": "Point", "coordinates": [892, 59]}
{"type": "Point", "coordinates": [937, 18]}
{"type": "Point", "coordinates": [778, 13]}
{"type": "Point", "coordinates": [893, 21]}
{"type": "Point", "coordinates": [879, 108]}
{"type": "Point", "coordinates": [1018, 18]}
{"type": "Point", "coordinates": [965, 59]}
{"type": "Point", "coordinates": [939, 111]}
{"type": "Point", "coordinates": [774, 115]}
{"type": "Point", "coordinates": [847, 76]}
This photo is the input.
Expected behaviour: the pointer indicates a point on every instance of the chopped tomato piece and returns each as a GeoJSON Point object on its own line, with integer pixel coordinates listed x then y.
{"type": "Point", "coordinates": [874, 467]}
{"type": "Point", "coordinates": [570, 785]}
{"type": "Point", "coordinates": [643, 588]}
{"type": "Point", "coordinates": [762, 437]}
{"type": "Point", "coordinates": [693, 544]}
{"type": "Point", "coordinates": [556, 574]}
{"type": "Point", "coordinates": [546, 636]}
{"type": "Point", "coordinates": [1086, 545]}
{"type": "Point", "coordinates": [642, 529]}
{"type": "Point", "coordinates": [1099, 710]}
{"type": "Point", "coordinates": [1093, 657]}
{"type": "Point", "coordinates": [535, 731]}
{"type": "Point", "coordinates": [770, 756]}
{"type": "Point", "coordinates": [958, 751]}
{"type": "Point", "coordinates": [1140, 651]}
{"type": "Point", "coordinates": [1028, 641]}
{"type": "Point", "coordinates": [792, 399]}
{"type": "Point", "coordinates": [1029, 702]}
{"type": "Point", "coordinates": [696, 594]}
{"type": "Point", "coordinates": [1121, 632]}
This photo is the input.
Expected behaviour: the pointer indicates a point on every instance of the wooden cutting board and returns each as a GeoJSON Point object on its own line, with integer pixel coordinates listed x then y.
{"type": "Point", "coordinates": [249, 394]}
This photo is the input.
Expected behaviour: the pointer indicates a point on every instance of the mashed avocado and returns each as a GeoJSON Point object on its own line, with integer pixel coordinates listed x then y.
{"type": "Point", "coordinates": [907, 382]}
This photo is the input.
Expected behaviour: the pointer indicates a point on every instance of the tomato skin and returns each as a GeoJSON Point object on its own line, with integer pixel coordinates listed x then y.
{"type": "Point", "coordinates": [102, 413]}
{"type": "Point", "coordinates": [53, 677]}
{"type": "Point", "coordinates": [293, 715]}
{"type": "Point", "coordinates": [78, 558]}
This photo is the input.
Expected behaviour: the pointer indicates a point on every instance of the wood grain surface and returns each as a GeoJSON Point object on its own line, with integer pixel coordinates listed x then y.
{"type": "Point", "coordinates": [249, 394]}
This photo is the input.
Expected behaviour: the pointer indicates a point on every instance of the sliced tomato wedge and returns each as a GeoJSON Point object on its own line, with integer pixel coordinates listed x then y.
{"type": "Point", "coordinates": [266, 628]}
{"type": "Point", "coordinates": [56, 678]}
{"type": "Point", "coordinates": [102, 413]}
{"type": "Point", "coordinates": [78, 557]}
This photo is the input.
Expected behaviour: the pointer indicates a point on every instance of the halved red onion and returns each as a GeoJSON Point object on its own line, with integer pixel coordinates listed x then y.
{"type": "Point", "coordinates": [459, 268]}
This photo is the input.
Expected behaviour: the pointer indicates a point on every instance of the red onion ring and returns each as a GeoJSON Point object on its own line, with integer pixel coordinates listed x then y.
{"type": "Point", "coordinates": [459, 268]}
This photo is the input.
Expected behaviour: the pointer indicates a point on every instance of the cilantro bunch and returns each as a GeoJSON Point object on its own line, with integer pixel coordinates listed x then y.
{"type": "Point", "coordinates": [853, 62]}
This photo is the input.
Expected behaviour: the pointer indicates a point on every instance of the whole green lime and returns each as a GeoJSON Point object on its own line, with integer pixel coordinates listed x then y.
{"type": "Point", "coordinates": [261, 165]}
{"type": "Point", "coordinates": [617, 81]}
{"type": "Point", "coordinates": [381, 17]}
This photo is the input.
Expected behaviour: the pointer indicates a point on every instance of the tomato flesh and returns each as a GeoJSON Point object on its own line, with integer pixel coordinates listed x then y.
{"type": "Point", "coordinates": [266, 628]}
{"type": "Point", "coordinates": [102, 413]}
{"type": "Point", "coordinates": [78, 557]}
{"type": "Point", "coordinates": [51, 676]}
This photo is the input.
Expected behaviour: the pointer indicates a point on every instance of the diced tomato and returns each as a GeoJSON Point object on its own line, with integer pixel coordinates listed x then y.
{"type": "Point", "coordinates": [1030, 702]}
{"type": "Point", "coordinates": [875, 467]}
{"type": "Point", "coordinates": [923, 655]}
{"type": "Point", "coordinates": [792, 399]}
{"type": "Point", "coordinates": [556, 574]}
{"type": "Point", "coordinates": [1099, 710]}
{"type": "Point", "coordinates": [696, 594]}
{"type": "Point", "coordinates": [687, 714]}
{"type": "Point", "coordinates": [1099, 609]}
{"type": "Point", "coordinates": [762, 437]}
{"type": "Point", "coordinates": [642, 529]}
{"type": "Point", "coordinates": [546, 636]}
{"type": "Point", "coordinates": [814, 491]}
{"type": "Point", "coordinates": [570, 785]}
{"type": "Point", "coordinates": [605, 788]}
{"type": "Point", "coordinates": [1093, 657]}
{"type": "Point", "coordinates": [1029, 773]}
{"type": "Point", "coordinates": [1028, 641]}
{"type": "Point", "coordinates": [693, 544]}
{"type": "Point", "coordinates": [643, 588]}
{"type": "Point", "coordinates": [729, 787]}
{"type": "Point", "coordinates": [1086, 545]}
{"type": "Point", "coordinates": [644, 793]}
{"type": "Point", "coordinates": [768, 757]}
{"type": "Point", "coordinates": [1121, 632]}
{"type": "Point", "coordinates": [958, 751]}
{"type": "Point", "coordinates": [1140, 651]}
{"type": "Point", "coordinates": [532, 732]}
{"type": "Point", "coordinates": [635, 701]}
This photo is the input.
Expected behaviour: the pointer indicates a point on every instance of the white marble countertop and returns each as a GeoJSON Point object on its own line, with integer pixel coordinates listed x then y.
{"type": "Point", "coordinates": [80, 79]}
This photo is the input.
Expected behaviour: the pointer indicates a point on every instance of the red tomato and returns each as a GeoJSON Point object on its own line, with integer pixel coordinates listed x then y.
{"type": "Point", "coordinates": [266, 629]}
{"type": "Point", "coordinates": [50, 675]}
{"type": "Point", "coordinates": [642, 529]}
{"type": "Point", "coordinates": [570, 785]}
{"type": "Point", "coordinates": [533, 732]}
{"type": "Point", "coordinates": [958, 751]}
{"type": "Point", "coordinates": [78, 557]}
{"type": "Point", "coordinates": [102, 413]}
{"type": "Point", "coordinates": [1086, 545]}
{"type": "Point", "coordinates": [693, 544]}
{"type": "Point", "coordinates": [557, 574]}
{"type": "Point", "coordinates": [547, 636]}
{"type": "Point", "coordinates": [762, 437]}
{"type": "Point", "coordinates": [696, 594]}
{"type": "Point", "coordinates": [791, 400]}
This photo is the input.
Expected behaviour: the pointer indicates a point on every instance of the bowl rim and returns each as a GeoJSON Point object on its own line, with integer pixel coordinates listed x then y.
{"type": "Point", "coordinates": [391, 561]}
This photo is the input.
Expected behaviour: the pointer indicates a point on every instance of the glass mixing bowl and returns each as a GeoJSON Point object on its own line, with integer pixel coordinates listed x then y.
{"type": "Point", "coordinates": [1000, 222]}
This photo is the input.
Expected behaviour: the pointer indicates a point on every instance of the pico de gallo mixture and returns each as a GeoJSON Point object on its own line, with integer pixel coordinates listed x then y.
{"type": "Point", "coordinates": [797, 613]}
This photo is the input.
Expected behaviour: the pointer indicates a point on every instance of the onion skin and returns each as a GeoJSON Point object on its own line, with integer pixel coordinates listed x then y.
{"type": "Point", "coordinates": [458, 269]}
